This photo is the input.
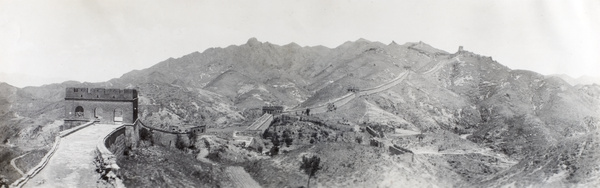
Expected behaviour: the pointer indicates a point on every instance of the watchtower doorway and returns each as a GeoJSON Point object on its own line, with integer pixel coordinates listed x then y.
{"type": "Point", "coordinates": [79, 112]}
{"type": "Point", "coordinates": [118, 115]}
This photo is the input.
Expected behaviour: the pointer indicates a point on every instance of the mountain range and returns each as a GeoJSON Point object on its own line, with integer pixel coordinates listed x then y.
{"type": "Point", "coordinates": [582, 80]}
{"type": "Point", "coordinates": [546, 124]}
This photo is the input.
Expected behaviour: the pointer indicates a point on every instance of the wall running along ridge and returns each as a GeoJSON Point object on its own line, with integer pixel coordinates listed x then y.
{"type": "Point", "coordinates": [351, 95]}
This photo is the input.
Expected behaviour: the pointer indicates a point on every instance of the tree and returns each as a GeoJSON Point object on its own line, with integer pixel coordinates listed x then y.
{"type": "Point", "coordinates": [359, 139]}
{"type": "Point", "coordinates": [3, 181]}
{"type": "Point", "coordinates": [288, 141]}
{"type": "Point", "coordinates": [179, 142]}
{"type": "Point", "coordinates": [287, 138]}
{"type": "Point", "coordinates": [274, 150]}
{"type": "Point", "coordinates": [275, 140]}
{"type": "Point", "coordinates": [421, 136]}
{"type": "Point", "coordinates": [310, 166]}
{"type": "Point", "coordinates": [276, 143]}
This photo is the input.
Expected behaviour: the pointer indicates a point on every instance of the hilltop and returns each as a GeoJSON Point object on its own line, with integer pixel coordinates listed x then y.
{"type": "Point", "coordinates": [516, 114]}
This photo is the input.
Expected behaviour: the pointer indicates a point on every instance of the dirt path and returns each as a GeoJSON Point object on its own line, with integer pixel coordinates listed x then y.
{"type": "Point", "coordinates": [72, 163]}
{"type": "Point", "coordinates": [240, 178]}
{"type": "Point", "coordinates": [12, 163]}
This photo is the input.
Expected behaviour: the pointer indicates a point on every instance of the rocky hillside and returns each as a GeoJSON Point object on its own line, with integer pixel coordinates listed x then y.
{"type": "Point", "coordinates": [413, 86]}
{"type": "Point", "coordinates": [583, 80]}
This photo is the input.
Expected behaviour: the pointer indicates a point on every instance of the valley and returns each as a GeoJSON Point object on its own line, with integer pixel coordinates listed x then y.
{"type": "Point", "coordinates": [460, 119]}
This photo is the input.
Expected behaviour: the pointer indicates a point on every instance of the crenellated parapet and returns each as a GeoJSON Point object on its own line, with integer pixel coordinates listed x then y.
{"type": "Point", "coordinates": [100, 94]}
{"type": "Point", "coordinates": [109, 106]}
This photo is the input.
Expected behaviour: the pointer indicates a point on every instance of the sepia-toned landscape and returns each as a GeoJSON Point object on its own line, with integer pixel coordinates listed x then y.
{"type": "Point", "coordinates": [362, 114]}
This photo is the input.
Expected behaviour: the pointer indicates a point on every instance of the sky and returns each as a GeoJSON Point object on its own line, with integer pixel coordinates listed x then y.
{"type": "Point", "coordinates": [43, 42]}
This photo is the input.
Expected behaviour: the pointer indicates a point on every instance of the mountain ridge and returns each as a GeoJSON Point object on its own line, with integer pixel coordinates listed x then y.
{"type": "Point", "coordinates": [511, 112]}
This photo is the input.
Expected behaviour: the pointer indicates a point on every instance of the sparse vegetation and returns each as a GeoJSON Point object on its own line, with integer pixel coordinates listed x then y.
{"type": "Point", "coordinates": [310, 166]}
{"type": "Point", "coordinates": [476, 118]}
{"type": "Point", "coordinates": [6, 170]}
{"type": "Point", "coordinates": [162, 167]}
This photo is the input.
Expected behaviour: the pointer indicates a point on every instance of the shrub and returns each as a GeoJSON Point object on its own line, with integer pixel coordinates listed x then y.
{"type": "Point", "coordinates": [180, 143]}
{"type": "Point", "coordinates": [359, 139]}
{"type": "Point", "coordinates": [274, 150]}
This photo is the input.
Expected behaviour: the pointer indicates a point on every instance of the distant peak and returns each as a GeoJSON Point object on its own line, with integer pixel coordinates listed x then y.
{"type": "Point", "coordinates": [362, 40]}
{"type": "Point", "coordinates": [293, 45]}
{"type": "Point", "coordinates": [253, 41]}
{"type": "Point", "coordinates": [393, 43]}
{"type": "Point", "coordinates": [4, 84]}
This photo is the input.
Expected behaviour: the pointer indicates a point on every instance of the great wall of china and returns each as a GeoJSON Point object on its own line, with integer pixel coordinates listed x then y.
{"type": "Point", "coordinates": [114, 135]}
{"type": "Point", "coordinates": [79, 146]}
{"type": "Point", "coordinates": [322, 108]}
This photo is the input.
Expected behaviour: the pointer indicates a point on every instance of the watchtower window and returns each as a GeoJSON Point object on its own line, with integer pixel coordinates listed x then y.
{"type": "Point", "coordinates": [79, 111]}
{"type": "Point", "coordinates": [98, 112]}
{"type": "Point", "coordinates": [118, 115]}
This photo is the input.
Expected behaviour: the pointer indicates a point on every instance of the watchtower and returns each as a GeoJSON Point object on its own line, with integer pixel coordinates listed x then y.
{"type": "Point", "coordinates": [272, 109]}
{"type": "Point", "coordinates": [104, 105]}
{"type": "Point", "coordinates": [353, 89]}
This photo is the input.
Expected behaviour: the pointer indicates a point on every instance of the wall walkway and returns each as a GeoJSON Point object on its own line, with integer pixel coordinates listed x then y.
{"type": "Point", "coordinates": [262, 123]}
{"type": "Point", "coordinates": [71, 163]}
{"type": "Point", "coordinates": [321, 108]}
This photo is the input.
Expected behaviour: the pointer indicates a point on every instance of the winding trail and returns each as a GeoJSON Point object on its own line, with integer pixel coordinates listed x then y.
{"type": "Point", "coordinates": [12, 163]}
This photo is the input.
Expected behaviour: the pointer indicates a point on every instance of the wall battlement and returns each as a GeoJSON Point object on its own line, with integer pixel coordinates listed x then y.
{"type": "Point", "coordinates": [102, 94]}
{"type": "Point", "coordinates": [108, 106]}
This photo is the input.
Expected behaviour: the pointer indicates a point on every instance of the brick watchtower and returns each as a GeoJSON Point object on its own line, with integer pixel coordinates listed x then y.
{"type": "Point", "coordinates": [104, 105]}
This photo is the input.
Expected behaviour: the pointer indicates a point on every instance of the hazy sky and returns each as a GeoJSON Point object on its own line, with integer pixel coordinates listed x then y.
{"type": "Point", "coordinates": [44, 42]}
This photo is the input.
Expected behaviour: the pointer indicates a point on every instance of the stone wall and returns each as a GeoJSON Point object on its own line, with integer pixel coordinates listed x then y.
{"type": "Point", "coordinates": [385, 86]}
{"type": "Point", "coordinates": [324, 107]}
{"type": "Point", "coordinates": [374, 132]}
{"type": "Point", "coordinates": [113, 146]}
{"type": "Point", "coordinates": [104, 105]}
{"type": "Point", "coordinates": [116, 141]}
{"type": "Point", "coordinates": [101, 94]}
{"type": "Point", "coordinates": [168, 139]}
{"type": "Point", "coordinates": [164, 138]}
{"type": "Point", "coordinates": [69, 124]}
{"type": "Point", "coordinates": [260, 125]}
{"type": "Point", "coordinates": [402, 153]}
{"type": "Point", "coordinates": [109, 149]}
{"type": "Point", "coordinates": [44, 161]}
{"type": "Point", "coordinates": [104, 111]}
{"type": "Point", "coordinates": [350, 96]}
